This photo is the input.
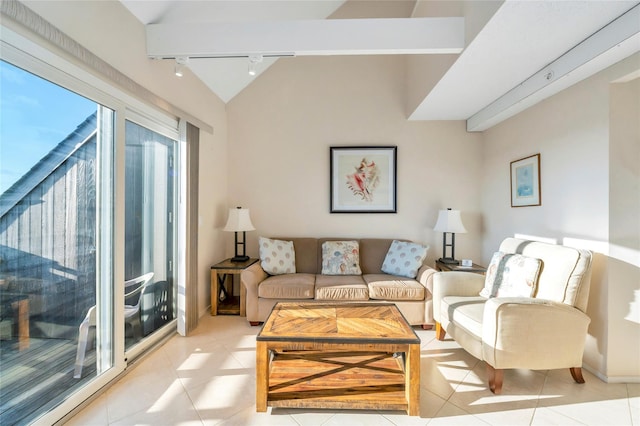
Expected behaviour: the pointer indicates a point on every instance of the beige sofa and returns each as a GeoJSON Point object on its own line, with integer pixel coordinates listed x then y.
{"type": "Point", "coordinates": [546, 330]}
{"type": "Point", "coordinates": [412, 296]}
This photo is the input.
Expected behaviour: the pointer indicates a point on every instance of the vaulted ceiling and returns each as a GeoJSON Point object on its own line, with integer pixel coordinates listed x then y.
{"type": "Point", "coordinates": [509, 55]}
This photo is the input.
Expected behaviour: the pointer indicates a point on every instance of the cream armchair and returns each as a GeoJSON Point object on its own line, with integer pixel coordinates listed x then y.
{"type": "Point", "coordinates": [544, 331]}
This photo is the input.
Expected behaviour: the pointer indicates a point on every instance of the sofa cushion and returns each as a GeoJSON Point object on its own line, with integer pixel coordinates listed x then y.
{"type": "Point", "coordinates": [277, 256]}
{"type": "Point", "coordinates": [306, 255]}
{"type": "Point", "coordinates": [511, 275]}
{"type": "Point", "coordinates": [404, 258]}
{"type": "Point", "coordinates": [288, 286]}
{"type": "Point", "coordinates": [341, 258]}
{"type": "Point", "coordinates": [372, 253]}
{"type": "Point", "coordinates": [341, 287]}
{"type": "Point", "coordinates": [389, 287]}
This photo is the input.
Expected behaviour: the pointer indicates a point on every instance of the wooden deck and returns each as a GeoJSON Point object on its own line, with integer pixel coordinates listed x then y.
{"type": "Point", "coordinates": [36, 379]}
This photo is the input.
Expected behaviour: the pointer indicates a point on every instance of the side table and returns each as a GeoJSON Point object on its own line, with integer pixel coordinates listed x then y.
{"type": "Point", "coordinates": [231, 305]}
{"type": "Point", "coordinates": [445, 267]}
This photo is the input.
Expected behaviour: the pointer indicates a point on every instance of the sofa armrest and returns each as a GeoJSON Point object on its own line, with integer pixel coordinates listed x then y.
{"type": "Point", "coordinates": [538, 334]}
{"type": "Point", "coordinates": [454, 283]}
{"type": "Point", "coordinates": [251, 278]}
{"type": "Point", "coordinates": [425, 277]}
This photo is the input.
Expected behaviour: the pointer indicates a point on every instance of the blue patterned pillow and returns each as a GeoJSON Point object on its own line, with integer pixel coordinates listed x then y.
{"type": "Point", "coordinates": [404, 259]}
{"type": "Point", "coordinates": [341, 258]}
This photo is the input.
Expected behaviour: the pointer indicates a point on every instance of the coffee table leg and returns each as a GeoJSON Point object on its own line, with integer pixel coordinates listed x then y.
{"type": "Point", "coordinates": [412, 380]}
{"type": "Point", "coordinates": [215, 292]}
{"type": "Point", "coordinates": [262, 376]}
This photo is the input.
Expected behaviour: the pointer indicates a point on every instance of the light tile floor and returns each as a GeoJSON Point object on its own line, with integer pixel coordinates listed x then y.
{"type": "Point", "coordinates": [209, 378]}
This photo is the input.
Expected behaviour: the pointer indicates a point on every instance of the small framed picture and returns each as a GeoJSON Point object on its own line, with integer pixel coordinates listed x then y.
{"type": "Point", "coordinates": [525, 182]}
{"type": "Point", "coordinates": [363, 179]}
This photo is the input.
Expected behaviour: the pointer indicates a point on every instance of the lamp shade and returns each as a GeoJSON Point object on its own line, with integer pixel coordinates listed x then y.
{"type": "Point", "coordinates": [449, 221]}
{"type": "Point", "coordinates": [238, 220]}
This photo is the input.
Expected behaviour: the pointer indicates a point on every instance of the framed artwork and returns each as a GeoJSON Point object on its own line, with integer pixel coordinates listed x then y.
{"type": "Point", "coordinates": [525, 182]}
{"type": "Point", "coordinates": [363, 179]}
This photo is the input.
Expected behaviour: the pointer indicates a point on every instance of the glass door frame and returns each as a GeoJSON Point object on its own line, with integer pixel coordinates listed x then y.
{"type": "Point", "coordinates": [163, 129]}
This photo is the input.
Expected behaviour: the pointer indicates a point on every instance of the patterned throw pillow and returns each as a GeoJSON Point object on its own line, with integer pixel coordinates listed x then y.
{"type": "Point", "coordinates": [341, 258]}
{"type": "Point", "coordinates": [404, 259]}
{"type": "Point", "coordinates": [277, 257]}
{"type": "Point", "coordinates": [511, 275]}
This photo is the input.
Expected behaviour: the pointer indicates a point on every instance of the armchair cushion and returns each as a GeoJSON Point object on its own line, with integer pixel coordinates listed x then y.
{"type": "Point", "coordinates": [511, 275]}
{"type": "Point", "coordinates": [467, 312]}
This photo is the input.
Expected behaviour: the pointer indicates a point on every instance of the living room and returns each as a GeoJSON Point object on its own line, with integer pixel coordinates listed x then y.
{"type": "Point", "coordinates": [293, 114]}
{"type": "Point", "coordinates": [269, 152]}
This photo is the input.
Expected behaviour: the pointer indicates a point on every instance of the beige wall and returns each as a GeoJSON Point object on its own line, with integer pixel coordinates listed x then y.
{"type": "Point", "coordinates": [280, 131]}
{"type": "Point", "coordinates": [212, 203]}
{"type": "Point", "coordinates": [571, 131]}
{"type": "Point", "coordinates": [88, 22]}
{"type": "Point", "coordinates": [624, 229]}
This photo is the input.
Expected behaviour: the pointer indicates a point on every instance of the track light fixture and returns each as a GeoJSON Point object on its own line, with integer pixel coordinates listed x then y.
{"type": "Point", "coordinates": [254, 60]}
{"type": "Point", "coordinates": [180, 64]}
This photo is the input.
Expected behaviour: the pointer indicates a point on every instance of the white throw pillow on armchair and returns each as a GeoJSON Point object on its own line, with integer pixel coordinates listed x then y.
{"type": "Point", "coordinates": [511, 275]}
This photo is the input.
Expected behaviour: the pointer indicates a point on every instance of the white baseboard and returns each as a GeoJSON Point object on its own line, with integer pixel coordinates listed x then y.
{"type": "Point", "coordinates": [615, 379]}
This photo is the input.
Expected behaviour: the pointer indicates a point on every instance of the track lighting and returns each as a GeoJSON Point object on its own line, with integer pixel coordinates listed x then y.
{"type": "Point", "coordinates": [254, 60]}
{"type": "Point", "coordinates": [180, 64]}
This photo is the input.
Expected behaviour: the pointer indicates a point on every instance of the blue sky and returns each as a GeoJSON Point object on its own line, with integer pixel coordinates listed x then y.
{"type": "Point", "coordinates": [35, 115]}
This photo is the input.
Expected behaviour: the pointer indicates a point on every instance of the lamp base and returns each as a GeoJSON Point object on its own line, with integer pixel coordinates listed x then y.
{"type": "Point", "coordinates": [240, 258]}
{"type": "Point", "coordinates": [449, 261]}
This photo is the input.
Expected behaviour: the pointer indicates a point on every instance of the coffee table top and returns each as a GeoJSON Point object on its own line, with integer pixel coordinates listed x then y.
{"type": "Point", "coordinates": [337, 322]}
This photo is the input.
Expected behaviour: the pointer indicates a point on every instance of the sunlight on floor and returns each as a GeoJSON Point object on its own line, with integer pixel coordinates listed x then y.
{"type": "Point", "coordinates": [165, 400]}
{"type": "Point", "coordinates": [209, 379]}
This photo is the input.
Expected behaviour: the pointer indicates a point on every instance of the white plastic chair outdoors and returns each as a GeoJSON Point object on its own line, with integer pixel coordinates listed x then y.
{"type": "Point", "coordinates": [133, 287]}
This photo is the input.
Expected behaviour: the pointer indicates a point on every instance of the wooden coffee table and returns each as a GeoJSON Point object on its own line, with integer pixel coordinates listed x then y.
{"type": "Point", "coordinates": [351, 355]}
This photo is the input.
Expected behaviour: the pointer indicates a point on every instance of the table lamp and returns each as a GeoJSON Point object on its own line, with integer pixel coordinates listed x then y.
{"type": "Point", "coordinates": [449, 222]}
{"type": "Point", "coordinates": [239, 221]}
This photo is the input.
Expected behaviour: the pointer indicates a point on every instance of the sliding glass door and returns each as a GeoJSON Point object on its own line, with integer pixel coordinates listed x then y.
{"type": "Point", "coordinates": [88, 237]}
{"type": "Point", "coordinates": [56, 292]}
{"type": "Point", "coordinates": [150, 230]}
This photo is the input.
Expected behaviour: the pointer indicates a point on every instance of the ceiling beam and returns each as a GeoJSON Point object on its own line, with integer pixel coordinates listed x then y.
{"type": "Point", "coordinates": [612, 43]}
{"type": "Point", "coordinates": [306, 38]}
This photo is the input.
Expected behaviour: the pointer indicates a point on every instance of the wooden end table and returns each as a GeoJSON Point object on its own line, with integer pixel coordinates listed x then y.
{"type": "Point", "coordinates": [445, 267]}
{"type": "Point", "coordinates": [341, 356]}
{"type": "Point", "coordinates": [231, 305]}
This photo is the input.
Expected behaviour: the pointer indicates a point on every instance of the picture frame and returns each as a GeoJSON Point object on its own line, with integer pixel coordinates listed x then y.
{"type": "Point", "coordinates": [525, 182]}
{"type": "Point", "coordinates": [363, 179]}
